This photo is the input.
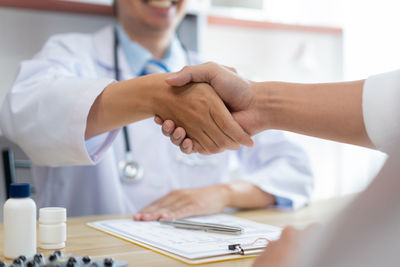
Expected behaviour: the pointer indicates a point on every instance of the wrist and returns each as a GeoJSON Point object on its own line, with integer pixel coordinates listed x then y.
{"type": "Point", "coordinates": [153, 93]}
{"type": "Point", "coordinates": [227, 194]}
{"type": "Point", "coordinates": [271, 104]}
{"type": "Point", "coordinates": [263, 105]}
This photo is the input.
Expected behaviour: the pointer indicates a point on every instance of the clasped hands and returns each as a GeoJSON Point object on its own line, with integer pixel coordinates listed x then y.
{"type": "Point", "coordinates": [230, 118]}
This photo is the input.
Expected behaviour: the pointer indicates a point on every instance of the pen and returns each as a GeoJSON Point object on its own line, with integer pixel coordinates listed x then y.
{"type": "Point", "coordinates": [208, 227]}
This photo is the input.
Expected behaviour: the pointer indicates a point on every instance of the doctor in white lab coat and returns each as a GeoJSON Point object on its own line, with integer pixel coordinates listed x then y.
{"type": "Point", "coordinates": [48, 110]}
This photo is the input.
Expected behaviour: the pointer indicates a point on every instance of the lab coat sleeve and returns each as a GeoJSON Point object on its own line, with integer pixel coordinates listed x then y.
{"type": "Point", "coordinates": [45, 112]}
{"type": "Point", "coordinates": [278, 167]}
{"type": "Point", "coordinates": [381, 110]}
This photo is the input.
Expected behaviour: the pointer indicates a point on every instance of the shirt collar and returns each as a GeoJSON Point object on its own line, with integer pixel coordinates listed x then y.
{"type": "Point", "coordinates": [137, 56]}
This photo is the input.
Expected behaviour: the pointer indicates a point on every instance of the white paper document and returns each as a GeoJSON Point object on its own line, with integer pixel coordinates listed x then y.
{"type": "Point", "coordinates": [190, 244]}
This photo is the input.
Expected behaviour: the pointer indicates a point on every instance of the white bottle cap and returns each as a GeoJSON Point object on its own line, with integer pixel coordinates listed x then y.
{"type": "Point", "coordinates": [52, 215]}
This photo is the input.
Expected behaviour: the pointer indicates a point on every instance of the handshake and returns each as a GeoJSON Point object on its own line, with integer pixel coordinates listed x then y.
{"type": "Point", "coordinates": [221, 110]}
{"type": "Point", "coordinates": [208, 108]}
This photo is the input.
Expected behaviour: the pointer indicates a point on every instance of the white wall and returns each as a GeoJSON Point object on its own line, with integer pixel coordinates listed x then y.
{"type": "Point", "coordinates": [372, 39]}
{"type": "Point", "coordinates": [23, 33]}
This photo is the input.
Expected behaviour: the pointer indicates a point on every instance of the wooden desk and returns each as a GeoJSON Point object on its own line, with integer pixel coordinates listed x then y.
{"type": "Point", "coordinates": [83, 240]}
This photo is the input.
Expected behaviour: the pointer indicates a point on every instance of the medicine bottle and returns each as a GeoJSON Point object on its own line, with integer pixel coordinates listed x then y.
{"type": "Point", "coordinates": [19, 215]}
{"type": "Point", "coordinates": [52, 228]}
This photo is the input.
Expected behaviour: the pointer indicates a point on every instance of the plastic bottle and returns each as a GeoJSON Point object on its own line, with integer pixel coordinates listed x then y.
{"type": "Point", "coordinates": [52, 228]}
{"type": "Point", "coordinates": [19, 215]}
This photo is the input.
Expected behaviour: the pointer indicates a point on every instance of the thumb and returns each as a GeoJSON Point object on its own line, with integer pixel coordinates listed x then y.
{"type": "Point", "coordinates": [202, 73]}
{"type": "Point", "coordinates": [180, 78]}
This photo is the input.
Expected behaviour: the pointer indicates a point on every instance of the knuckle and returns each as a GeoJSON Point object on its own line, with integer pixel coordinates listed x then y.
{"type": "Point", "coordinates": [186, 69]}
{"type": "Point", "coordinates": [212, 64]}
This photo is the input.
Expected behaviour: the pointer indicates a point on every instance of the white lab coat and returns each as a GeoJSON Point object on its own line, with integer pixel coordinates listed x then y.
{"type": "Point", "coordinates": [45, 114]}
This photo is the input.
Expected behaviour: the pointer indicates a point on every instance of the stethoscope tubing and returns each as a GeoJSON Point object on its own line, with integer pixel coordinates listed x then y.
{"type": "Point", "coordinates": [129, 162]}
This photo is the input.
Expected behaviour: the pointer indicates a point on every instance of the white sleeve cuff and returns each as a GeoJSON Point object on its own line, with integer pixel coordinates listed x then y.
{"type": "Point", "coordinates": [98, 145]}
{"type": "Point", "coordinates": [285, 182]}
{"type": "Point", "coordinates": [381, 110]}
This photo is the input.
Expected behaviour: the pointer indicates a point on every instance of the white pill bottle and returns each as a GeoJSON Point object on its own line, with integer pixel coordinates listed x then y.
{"type": "Point", "coordinates": [52, 228]}
{"type": "Point", "coordinates": [19, 218]}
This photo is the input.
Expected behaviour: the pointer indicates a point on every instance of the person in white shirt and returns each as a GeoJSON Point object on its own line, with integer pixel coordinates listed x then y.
{"type": "Point", "coordinates": [365, 113]}
{"type": "Point", "coordinates": [66, 111]}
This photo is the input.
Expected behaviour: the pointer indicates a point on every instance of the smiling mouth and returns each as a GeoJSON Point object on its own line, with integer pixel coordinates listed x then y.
{"type": "Point", "coordinates": [161, 3]}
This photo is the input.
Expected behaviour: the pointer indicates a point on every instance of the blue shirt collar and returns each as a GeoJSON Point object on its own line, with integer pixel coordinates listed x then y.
{"type": "Point", "coordinates": [137, 56]}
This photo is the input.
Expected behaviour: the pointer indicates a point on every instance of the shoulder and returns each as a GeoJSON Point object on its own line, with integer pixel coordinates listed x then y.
{"type": "Point", "coordinates": [72, 44]}
{"type": "Point", "coordinates": [69, 42]}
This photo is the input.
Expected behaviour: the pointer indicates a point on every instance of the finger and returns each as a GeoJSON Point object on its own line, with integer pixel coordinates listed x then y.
{"type": "Point", "coordinates": [184, 212]}
{"type": "Point", "coordinates": [150, 216]}
{"type": "Point", "coordinates": [202, 144]}
{"type": "Point", "coordinates": [197, 148]}
{"type": "Point", "coordinates": [177, 207]}
{"type": "Point", "coordinates": [200, 73]}
{"type": "Point", "coordinates": [206, 140]}
{"type": "Point", "coordinates": [162, 203]}
{"type": "Point", "coordinates": [230, 68]}
{"type": "Point", "coordinates": [137, 217]}
{"type": "Point", "coordinates": [168, 127]}
{"type": "Point", "coordinates": [187, 146]}
{"type": "Point", "coordinates": [210, 139]}
{"type": "Point", "coordinates": [231, 129]}
{"type": "Point", "coordinates": [178, 136]}
{"type": "Point", "coordinates": [158, 120]}
{"type": "Point", "coordinates": [156, 205]}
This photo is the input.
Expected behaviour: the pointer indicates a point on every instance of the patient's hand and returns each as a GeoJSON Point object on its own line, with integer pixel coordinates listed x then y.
{"type": "Point", "coordinates": [185, 203]}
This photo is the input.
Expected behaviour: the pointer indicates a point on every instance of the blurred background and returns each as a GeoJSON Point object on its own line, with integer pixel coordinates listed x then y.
{"type": "Point", "coordinates": [287, 40]}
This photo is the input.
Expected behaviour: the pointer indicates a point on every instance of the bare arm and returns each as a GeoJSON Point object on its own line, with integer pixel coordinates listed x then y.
{"type": "Point", "coordinates": [330, 111]}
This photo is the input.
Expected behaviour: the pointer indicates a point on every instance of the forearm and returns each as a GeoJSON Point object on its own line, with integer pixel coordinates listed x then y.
{"type": "Point", "coordinates": [329, 111]}
{"type": "Point", "coordinates": [244, 195]}
{"type": "Point", "coordinates": [122, 103]}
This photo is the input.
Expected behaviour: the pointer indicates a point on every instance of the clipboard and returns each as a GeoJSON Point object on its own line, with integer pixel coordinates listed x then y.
{"type": "Point", "coordinates": [212, 247]}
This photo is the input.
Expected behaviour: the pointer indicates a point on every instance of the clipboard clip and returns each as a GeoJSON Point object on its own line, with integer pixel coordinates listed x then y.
{"type": "Point", "coordinates": [248, 249]}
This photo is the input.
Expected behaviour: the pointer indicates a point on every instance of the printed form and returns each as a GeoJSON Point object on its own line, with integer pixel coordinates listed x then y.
{"type": "Point", "coordinates": [191, 244]}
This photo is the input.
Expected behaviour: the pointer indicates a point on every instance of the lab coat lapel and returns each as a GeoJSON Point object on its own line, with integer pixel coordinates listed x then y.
{"type": "Point", "coordinates": [104, 52]}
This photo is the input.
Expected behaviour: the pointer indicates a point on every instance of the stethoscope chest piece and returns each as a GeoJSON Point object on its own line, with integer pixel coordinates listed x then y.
{"type": "Point", "coordinates": [130, 171]}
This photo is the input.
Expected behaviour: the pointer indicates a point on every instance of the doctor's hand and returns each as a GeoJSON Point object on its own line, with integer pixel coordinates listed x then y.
{"type": "Point", "coordinates": [185, 203]}
{"type": "Point", "coordinates": [237, 93]}
{"type": "Point", "coordinates": [206, 200]}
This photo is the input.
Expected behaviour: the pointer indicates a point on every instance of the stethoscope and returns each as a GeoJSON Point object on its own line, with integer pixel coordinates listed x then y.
{"type": "Point", "coordinates": [130, 170]}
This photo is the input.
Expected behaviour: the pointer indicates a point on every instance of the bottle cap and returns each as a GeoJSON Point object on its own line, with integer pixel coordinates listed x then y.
{"type": "Point", "coordinates": [52, 215]}
{"type": "Point", "coordinates": [20, 190]}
